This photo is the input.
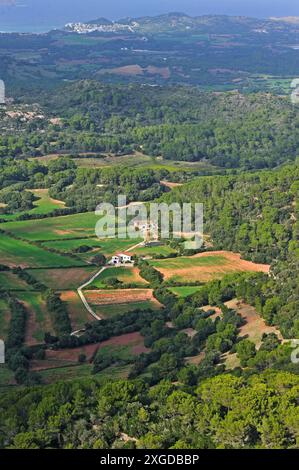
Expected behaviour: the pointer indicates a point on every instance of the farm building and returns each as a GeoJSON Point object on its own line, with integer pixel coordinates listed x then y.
{"type": "Point", "coordinates": [121, 258]}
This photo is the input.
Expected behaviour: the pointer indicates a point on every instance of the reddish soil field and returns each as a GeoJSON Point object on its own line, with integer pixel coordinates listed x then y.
{"type": "Point", "coordinates": [120, 296]}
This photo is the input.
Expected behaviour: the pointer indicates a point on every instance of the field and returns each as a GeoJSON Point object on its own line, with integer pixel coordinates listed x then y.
{"type": "Point", "coordinates": [76, 310]}
{"type": "Point", "coordinates": [255, 325]}
{"type": "Point", "coordinates": [10, 281]}
{"type": "Point", "coordinates": [159, 250]}
{"type": "Point", "coordinates": [53, 228]}
{"type": "Point", "coordinates": [66, 357]}
{"type": "Point", "coordinates": [184, 291]}
{"type": "Point", "coordinates": [38, 321]}
{"type": "Point", "coordinates": [45, 203]}
{"type": "Point", "coordinates": [205, 267]}
{"type": "Point", "coordinates": [106, 246]}
{"type": "Point", "coordinates": [120, 296]}
{"type": "Point", "coordinates": [126, 275]}
{"type": "Point", "coordinates": [65, 278]}
{"type": "Point", "coordinates": [19, 253]}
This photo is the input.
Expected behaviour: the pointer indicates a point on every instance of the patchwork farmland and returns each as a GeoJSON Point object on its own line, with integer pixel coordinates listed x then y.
{"type": "Point", "coordinates": [49, 251]}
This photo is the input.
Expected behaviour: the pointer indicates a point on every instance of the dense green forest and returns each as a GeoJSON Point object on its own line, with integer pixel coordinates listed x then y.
{"type": "Point", "coordinates": [257, 215]}
{"type": "Point", "coordinates": [227, 411]}
{"type": "Point", "coordinates": [228, 130]}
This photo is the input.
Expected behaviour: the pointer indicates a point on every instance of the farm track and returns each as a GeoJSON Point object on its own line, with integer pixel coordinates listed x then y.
{"type": "Point", "coordinates": [82, 296]}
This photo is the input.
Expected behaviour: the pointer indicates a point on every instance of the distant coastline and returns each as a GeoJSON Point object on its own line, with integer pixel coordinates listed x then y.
{"type": "Point", "coordinates": [15, 28]}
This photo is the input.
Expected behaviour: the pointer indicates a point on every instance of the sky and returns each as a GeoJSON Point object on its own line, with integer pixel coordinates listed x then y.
{"type": "Point", "coordinates": [37, 15]}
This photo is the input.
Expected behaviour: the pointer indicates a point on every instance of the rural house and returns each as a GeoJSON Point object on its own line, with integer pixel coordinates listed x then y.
{"type": "Point", "coordinates": [121, 258]}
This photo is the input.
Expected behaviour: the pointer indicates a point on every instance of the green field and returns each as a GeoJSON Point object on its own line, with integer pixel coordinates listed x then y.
{"type": "Point", "coordinates": [54, 228]}
{"type": "Point", "coordinates": [78, 314]}
{"type": "Point", "coordinates": [184, 291]}
{"type": "Point", "coordinates": [125, 275]}
{"type": "Point", "coordinates": [19, 253]}
{"type": "Point", "coordinates": [163, 250]}
{"type": "Point", "coordinates": [45, 203]}
{"type": "Point", "coordinates": [107, 246]}
{"type": "Point", "coordinates": [10, 281]}
{"type": "Point", "coordinates": [40, 319]}
{"type": "Point", "coordinates": [189, 262]}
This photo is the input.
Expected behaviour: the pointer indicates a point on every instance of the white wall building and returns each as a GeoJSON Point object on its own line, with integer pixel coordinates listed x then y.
{"type": "Point", "coordinates": [121, 258]}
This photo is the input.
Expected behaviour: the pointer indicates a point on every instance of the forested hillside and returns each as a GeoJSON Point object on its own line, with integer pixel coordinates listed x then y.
{"type": "Point", "coordinates": [222, 412]}
{"type": "Point", "coordinates": [228, 130]}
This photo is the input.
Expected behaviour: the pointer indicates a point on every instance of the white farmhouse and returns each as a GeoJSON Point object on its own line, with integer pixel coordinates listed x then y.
{"type": "Point", "coordinates": [121, 258]}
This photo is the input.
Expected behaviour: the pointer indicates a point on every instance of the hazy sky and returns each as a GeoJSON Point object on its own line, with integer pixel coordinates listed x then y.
{"type": "Point", "coordinates": [58, 12]}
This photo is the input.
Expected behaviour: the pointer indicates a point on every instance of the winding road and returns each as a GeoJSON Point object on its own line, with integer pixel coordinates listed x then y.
{"type": "Point", "coordinates": [90, 281]}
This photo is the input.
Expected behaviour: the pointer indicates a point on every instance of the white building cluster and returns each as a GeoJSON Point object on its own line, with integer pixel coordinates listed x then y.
{"type": "Point", "coordinates": [85, 28]}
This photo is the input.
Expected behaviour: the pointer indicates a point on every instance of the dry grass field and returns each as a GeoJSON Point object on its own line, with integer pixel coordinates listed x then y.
{"type": "Point", "coordinates": [206, 266]}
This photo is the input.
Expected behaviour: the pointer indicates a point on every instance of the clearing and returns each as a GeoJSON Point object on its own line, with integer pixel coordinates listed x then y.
{"type": "Point", "coordinates": [206, 266]}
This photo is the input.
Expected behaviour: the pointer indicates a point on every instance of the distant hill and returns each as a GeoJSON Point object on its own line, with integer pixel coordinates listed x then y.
{"type": "Point", "coordinates": [176, 21]}
{"type": "Point", "coordinates": [100, 21]}
{"type": "Point", "coordinates": [287, 19]}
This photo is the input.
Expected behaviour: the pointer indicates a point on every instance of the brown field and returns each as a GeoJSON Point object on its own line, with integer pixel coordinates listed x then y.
{"type": "Point", "coordinates": [65, 357]}
{"type": "Point", "coordinates": [120, 296]}
{"type": "Point", "coordinates": [136, 69]}
{"type": "Point", "coordinates": [127, 70]}
{"type": "Point", "coordinates": [196, 360]}
{"type": "Point", "coordinates": [253, 330]}
{"type": "Point", "coordinates": [255, 325]}
{"type": "Point", "coordinates": [170, 185]}
{"type": "Point", "coordinates": [230, 263]}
